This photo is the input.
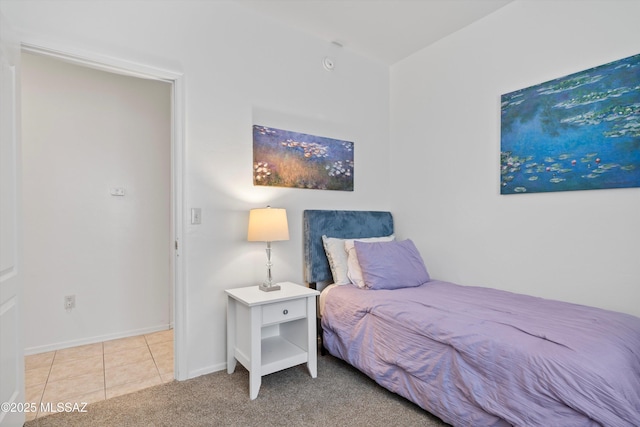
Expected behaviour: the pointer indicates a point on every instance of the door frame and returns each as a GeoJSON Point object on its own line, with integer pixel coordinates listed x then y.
{"type": "Point", "coordinates": [11, 292]}
{"type": "Point", "coordinates": [176, 79]}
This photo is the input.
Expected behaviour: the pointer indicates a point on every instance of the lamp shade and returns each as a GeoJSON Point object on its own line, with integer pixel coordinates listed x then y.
{"type": "Point", "coordinates": [268, 225]}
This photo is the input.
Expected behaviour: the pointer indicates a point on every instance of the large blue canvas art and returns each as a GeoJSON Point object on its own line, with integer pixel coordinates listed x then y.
{"type": "Point", "coordinates": [283, 158]}
{"type": "Point", "coordinates": [579, 132]}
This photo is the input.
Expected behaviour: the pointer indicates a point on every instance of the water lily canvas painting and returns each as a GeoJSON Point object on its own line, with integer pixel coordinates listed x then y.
{"type": "Point", "coordinates": [578, 132]}
{"type": "Point", "coordinates": [284, 158]}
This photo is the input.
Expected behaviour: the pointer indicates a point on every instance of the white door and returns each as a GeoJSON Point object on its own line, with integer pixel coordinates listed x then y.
{"type": "Point", "coordinates": [11, 350]}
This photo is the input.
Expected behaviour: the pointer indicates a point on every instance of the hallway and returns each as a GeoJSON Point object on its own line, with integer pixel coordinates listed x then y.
{"type": "Point", "coordinates": [99, 371]}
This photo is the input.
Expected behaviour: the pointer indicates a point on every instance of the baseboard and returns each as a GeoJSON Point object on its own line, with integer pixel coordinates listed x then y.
{"type": "Point", "coordinates": [93, 340]}
{"type": "Point", "coordinates": [207, 370]}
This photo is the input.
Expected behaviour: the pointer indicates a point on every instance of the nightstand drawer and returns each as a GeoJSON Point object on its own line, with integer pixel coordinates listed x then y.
{"type": "Point", "coordinates": [284, 311]}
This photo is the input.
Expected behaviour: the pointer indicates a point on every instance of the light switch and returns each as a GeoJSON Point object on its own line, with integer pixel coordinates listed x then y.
{"type": "Point", "coordinates": [196, 216]}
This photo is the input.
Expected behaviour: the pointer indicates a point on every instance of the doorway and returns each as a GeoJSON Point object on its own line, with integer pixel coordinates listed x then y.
{"type": "Point", "coordinates": [79, 278]}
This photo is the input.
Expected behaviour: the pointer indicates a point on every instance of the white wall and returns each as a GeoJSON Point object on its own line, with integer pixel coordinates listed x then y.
{"type": "Point", "coordinates": [87, 132]}
{"type": "Point", "coordinates": [240, 68]}
{"type": "Point", "coordinates": [580, 246]}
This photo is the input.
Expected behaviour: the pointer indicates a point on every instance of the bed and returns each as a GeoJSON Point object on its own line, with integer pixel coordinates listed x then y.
{"type": "Point", "coordinates": [472, 356]}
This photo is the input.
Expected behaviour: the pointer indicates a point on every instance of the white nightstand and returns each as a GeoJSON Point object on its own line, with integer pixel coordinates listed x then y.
{"type": "Point", "coordinates": [271, 331]}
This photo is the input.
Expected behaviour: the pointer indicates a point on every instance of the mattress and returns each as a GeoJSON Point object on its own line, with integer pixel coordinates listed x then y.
{"type": "Point", "coordinates": [478, 356]}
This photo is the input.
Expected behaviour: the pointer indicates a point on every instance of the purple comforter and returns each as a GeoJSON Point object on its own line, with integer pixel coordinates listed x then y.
{"type": "Point", "coordinates": [483, 357]}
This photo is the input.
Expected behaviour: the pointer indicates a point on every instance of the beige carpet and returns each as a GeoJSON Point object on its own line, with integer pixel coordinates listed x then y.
{"type": "Point", "coordinates": [340, 396]}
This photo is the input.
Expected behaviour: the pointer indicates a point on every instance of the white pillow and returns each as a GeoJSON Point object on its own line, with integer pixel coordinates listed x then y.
{"type": "Point", "coordinates": [354, 272]}
{"type": "Point", "coordinates": [334, 248]}
{"type": "Point", "coordinates": [337, 256]}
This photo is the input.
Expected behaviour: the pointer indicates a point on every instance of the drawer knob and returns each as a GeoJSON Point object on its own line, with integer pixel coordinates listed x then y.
{"type": "Point", "coordinates": [285, 311]}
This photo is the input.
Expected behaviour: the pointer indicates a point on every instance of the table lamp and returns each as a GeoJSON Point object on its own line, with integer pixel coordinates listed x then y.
{"type": "Point", "coordinates": [268, 225]}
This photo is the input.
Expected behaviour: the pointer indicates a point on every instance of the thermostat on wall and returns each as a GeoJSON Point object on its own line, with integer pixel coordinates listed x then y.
{"type": "Point", "coordinates": [117, 191]}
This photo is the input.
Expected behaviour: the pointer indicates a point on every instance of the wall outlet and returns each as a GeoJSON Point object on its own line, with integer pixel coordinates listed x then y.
{"type": "Point", "coordinates": [69, 302]}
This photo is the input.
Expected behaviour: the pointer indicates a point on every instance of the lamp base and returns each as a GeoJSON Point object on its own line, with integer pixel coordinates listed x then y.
{"type": "Point", "coordinates": [268, 288]}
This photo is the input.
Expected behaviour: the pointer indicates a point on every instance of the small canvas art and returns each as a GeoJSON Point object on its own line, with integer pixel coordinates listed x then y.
{"type": "Point", "coordinates": [578, 132]}
{"type": "Point", "coordinates": [284, 158]}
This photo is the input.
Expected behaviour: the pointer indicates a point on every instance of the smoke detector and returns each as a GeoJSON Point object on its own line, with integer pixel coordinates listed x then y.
{"type": "Point", "coordinates": [328, 63]}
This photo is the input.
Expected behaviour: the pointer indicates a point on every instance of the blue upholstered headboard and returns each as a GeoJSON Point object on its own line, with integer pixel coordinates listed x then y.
{"type": "Point", "coordinates": [341, 224]}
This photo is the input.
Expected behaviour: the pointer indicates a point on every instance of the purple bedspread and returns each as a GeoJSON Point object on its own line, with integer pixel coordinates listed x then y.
{"type": "Point", "coordinates": [483, 357]}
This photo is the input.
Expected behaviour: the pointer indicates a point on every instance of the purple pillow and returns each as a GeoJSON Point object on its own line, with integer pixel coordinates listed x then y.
{"type": "Point", "coordinates": [391, 265]}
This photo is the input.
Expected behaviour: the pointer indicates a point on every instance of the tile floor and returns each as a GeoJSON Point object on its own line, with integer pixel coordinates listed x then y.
{"type": "Point", "coordinates": [95, 372]}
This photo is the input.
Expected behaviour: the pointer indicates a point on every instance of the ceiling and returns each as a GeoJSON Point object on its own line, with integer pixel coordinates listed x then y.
{"type": "Point", "coordinates": [384, 30]}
